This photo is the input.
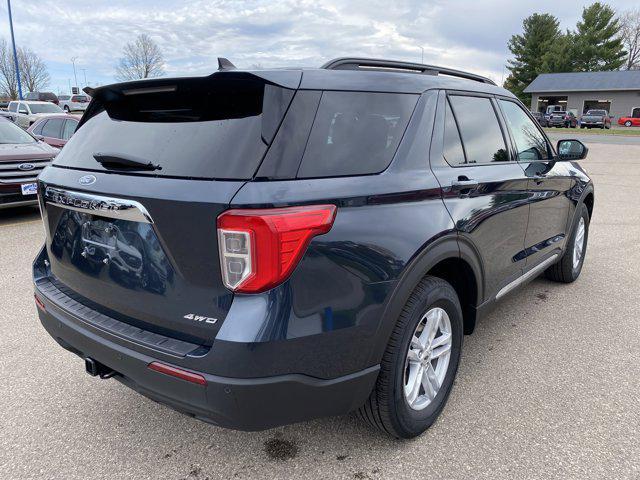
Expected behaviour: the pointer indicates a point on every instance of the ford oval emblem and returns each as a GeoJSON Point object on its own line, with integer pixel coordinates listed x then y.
{"type": "Point", "coordinates": [26, 166]}
{"type": "Point", "coordinates": [87, 180]}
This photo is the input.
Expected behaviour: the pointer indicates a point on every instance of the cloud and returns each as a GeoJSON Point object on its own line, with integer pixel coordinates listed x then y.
{"type": "Point", "coordinates": [466, 34]}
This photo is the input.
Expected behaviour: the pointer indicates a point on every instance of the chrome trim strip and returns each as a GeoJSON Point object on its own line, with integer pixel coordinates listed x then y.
{"type": "Point", "coordinates": [531, 273]}
{"type": "Point", "coordinates": [118, 208]}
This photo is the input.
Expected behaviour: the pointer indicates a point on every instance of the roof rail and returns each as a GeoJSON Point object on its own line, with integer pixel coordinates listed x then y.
{"type": "Point", "coordinates": [348, 63]}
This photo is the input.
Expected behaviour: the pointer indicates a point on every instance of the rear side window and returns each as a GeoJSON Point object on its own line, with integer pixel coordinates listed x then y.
{"type": "Point", "coordinates": [452, 151]}
{"type": "Point", "coordinates": [355, 133]}
{"type": "Point", "coordinates": [68, 129]}
{"type": "Point", "coordinates": [530, 142]}
{"type": "Point", "coordinates": [214, 129]}
{"type": "Point", "coordinates": [52, 128]}
{"type": "Point", "coordinates": [479, 128]}
{"type": "Point", "coordinates": [13, 106]}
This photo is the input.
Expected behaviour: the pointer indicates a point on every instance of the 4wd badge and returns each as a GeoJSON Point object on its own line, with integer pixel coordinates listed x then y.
{"type": "Point", "coordinates": [200, 318]}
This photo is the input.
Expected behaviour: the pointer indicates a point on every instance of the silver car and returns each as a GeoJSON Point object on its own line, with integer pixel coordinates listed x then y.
{"type": "Point", "coordinates": [26, 112]}
{"type": "Point", "coordinates": [74, 103]}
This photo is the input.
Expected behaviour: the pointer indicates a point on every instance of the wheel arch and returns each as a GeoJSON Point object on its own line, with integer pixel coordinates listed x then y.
{"type": "Point", "coordinates": [448, 258]}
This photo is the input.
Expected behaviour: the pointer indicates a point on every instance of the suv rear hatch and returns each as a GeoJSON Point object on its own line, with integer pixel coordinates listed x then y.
{"type": "Point", "coordinates": [130, 204]}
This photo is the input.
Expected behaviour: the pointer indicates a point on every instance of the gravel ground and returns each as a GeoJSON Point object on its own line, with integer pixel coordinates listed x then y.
{"type": "Point", "coordinates": [548, 386]}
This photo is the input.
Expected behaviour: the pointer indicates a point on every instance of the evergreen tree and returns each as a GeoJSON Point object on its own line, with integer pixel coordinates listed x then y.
{"type": "Point", "coordinates": [530, 51]}
{"type": "Point", "coordinates": [597, 42]}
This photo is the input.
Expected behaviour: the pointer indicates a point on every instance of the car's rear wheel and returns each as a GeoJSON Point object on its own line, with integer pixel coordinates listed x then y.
{"type": "Point", "coordinates": [627, 123]}
{"type": "Point", "coordinates": [569, 267]}
{"type": "Point", "coordinates": [420, 362]}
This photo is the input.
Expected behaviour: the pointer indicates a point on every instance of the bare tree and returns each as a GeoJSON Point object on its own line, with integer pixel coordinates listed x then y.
{"type": "Point", "coordinates": [33, 71]}
{"type": "Point", "coordinates": [8, 81]}
{"type": "Point", "coordinates": [142, 59]}
{"type": "Point", "coordinates": [630, 34]}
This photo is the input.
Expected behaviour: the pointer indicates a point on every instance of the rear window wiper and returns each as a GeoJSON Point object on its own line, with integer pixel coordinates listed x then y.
{"type": "Point", "coordinates": [112, 161]}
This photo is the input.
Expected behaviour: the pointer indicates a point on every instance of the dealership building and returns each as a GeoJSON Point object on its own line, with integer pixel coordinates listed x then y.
{"type": "Point", "coordinates": [617, 92]}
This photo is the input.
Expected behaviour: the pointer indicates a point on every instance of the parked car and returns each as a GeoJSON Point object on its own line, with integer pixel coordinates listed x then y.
{"type": "Point", "coordinates": [22, 158]}
{"type": "Point", "coordinates": [26, 113]}
{"type": "Point", "coordinates": [55, 130]}
{"type": "Point", "coordinates": [42, 97]}
{"type": "Point", "coordinates": [74, 103]}
{"type": "Point", "coordinates": [256, 248]}
{"type": "Point", "coordinates": [629, 121]}
{"type": "Point", "coordinates": [596, 118]}
{"type": "Point", "coordinates": [540, 118]}
{"type": "Point", "coordinates": [563, 119]}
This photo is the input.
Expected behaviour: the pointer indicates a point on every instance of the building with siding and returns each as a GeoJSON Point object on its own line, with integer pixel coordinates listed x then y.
{"type": "Point", "coordinates": [617, 92]}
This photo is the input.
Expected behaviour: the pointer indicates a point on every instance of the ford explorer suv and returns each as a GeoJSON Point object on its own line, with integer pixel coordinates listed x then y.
{"type": "Point", "coordinates": [256, 248]}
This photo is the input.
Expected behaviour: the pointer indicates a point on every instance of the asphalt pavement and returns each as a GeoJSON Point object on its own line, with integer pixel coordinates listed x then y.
{"type": "Point", "coordinates": [548, 386]}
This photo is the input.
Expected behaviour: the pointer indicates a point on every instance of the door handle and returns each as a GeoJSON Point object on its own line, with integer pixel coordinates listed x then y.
{"type": "Point", "coordinates": [464, 184]}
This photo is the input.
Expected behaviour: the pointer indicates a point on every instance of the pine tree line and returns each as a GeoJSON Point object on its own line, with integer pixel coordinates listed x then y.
{"type": "Point", "coordinates": [600, 41]}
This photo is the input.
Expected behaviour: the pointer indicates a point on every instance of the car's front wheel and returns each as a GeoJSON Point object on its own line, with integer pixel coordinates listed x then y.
{"type": "Point", "coordinates": [420, 362]}
{"type": "Point", "coordinates": [569, 267]}
{"type": "Point", "coordinates": [627, 123]}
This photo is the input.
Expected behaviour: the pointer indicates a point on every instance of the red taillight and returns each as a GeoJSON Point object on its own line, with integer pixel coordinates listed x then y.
{"type": "Point", "coordinates": [178, 373]}
{"type": "Point", "coordinates": [39, 303]}
{"type": "Point", "coordinates": [259, 248]}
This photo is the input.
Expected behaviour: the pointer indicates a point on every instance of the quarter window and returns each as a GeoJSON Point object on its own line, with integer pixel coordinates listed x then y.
{"type": "Point", "coordinates": [480, 130]}
{"type": "Point", "coordinates": [530, 142]}
{"type": "Point", "coordinates": [355, 133]}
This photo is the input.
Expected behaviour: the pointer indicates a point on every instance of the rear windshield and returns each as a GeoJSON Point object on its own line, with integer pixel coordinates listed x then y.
{"type": "Point", "coordinates": [219, 132]}
{"type": "Point", "coordinates": [355, 133]}
{"type": "Point", "coordinates": [597, 112]}
{"type": "Point", "coordinates": [79, 98]}
{"type": "Point", "coordinates": [10, 133]}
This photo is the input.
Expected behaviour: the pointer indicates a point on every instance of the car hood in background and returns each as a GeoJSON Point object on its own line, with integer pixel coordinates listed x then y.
{"type": "Point", "coordinates": [28, 151]}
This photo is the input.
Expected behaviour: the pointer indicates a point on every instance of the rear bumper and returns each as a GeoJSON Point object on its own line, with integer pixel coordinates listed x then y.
{"type": "Point", "coordinates": [238, 403]}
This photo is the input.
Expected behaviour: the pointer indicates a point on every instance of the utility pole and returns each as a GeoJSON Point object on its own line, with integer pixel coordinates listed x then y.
{"type": "Point", "coordinates": [73, 61]}
{"type": "Point", "coordinates": [15, 52]}
{"type": "Point", "coordinates": [69, 81]}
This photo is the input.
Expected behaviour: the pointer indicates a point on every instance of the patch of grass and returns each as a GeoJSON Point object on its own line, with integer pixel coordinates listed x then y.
{"type": "Point", "coordinates": [629, 131]}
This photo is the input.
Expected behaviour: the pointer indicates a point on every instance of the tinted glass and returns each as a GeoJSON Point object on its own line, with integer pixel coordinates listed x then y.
{"type": "Point", "coordinates": [48, 96]}
{"type": "Point", "coordinates": [11, 133]}
{"type": "Point", "coordinates": [13, 107]}
{"type": "Point", "coordinates": [64, 97]}
{"type": "Point", "coordinates": [452, 148]}
{"type": "Point", "coordinates": [597, 112]}
{"type": "Point", "coordinates": [69, 128]}
{"type": "Point", "coordinates": [480, 130]}
{"type": "Point", "coordinates": [355, 133]}
{"type": "Point", "coordinates": [52, 128]}
{"type": "Point", "coordinates": [530, 142]}
{"type": "Point", "coordinates": [44, 108]}
{"type": "Point", "coordinates": [79, 98]}
{"type": "Point", "coordinates": [222, 133]}
{"type": "Point", "coordinates": [22, 108]}
{"type": "Point", "coordinates": [38, 128]}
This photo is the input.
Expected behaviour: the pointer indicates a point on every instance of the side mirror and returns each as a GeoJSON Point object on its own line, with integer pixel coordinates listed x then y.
{"type": "Point", "coordinates": [571, 150]}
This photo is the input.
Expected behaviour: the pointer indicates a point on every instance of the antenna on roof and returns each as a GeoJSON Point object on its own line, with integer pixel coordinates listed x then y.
{"type": "Point", "coordinates": [224, 64]}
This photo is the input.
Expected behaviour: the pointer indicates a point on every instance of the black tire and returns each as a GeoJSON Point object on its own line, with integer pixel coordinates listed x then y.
{"type": "Point", "coordinates": [387, 408]}
{"type": "Point", "coordinates": [564, 271]}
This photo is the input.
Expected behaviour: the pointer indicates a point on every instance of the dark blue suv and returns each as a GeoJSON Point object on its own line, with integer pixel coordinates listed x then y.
{"type": "Point", "coordinates": [255, 248]}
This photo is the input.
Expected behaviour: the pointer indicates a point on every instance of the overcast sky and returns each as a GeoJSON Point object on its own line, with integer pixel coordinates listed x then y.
{"type": "Point", "coordinates": [466, 34]}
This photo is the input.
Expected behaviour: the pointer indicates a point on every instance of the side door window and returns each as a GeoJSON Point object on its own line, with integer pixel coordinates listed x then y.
{"type": "Point", "coordinates": [529, 141]}
{"type": "Point", "coordinates": [68, 129]}
{"type": "Point", "coordinates": [52, 128]}
{"type": "Point", "coordinates": [480, 130]}
{"type": "Point", "coordinates": [13, 107]}
{"type": "Point", "coordinates": [22, 108]}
